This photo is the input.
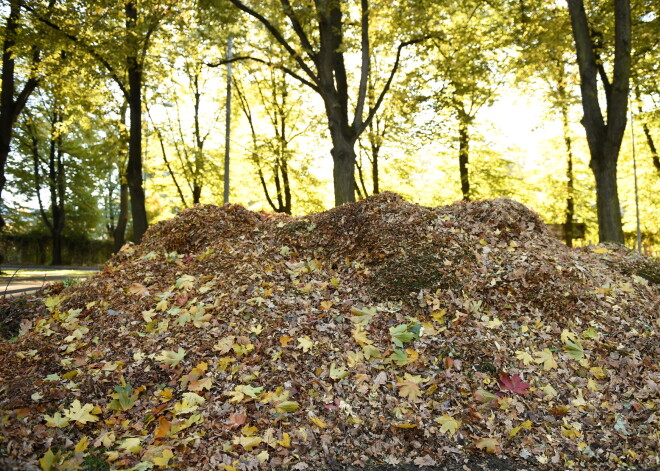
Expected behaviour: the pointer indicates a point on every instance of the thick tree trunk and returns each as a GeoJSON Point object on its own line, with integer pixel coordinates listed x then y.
{"type": "Point", "coordinates": [604, 138]}
{"type": "Point", "coordinates": [343, 172]}
{"type": "Point", "coordinates": [463, 155]}
{"type": "Point", "coordinates": [607, 197]}
{"type": "Point", "coordinates": [134, 167]}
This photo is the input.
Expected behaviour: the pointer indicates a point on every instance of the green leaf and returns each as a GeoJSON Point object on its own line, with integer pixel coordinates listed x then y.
{"type": "Point", "coordinates": [287, 406]}
{"type": "Point", "coordinates": [124, 398]}
{"type": "Point", "coordinates": [590, 333]}
{"type": "Point", "coordinates": [338, 372]}
{"type": "Point", "coordinates": [362, 316]}
{"type": "Point", "coordinates": [574, 350]}
{"type": "Point", "coordinates": [399, 357]}
{"type": "Point", "coordinates": [401, 334]}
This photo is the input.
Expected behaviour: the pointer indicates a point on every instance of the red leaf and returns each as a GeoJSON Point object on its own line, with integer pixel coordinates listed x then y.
{"type": "Point", "coordinates": [513, 383]}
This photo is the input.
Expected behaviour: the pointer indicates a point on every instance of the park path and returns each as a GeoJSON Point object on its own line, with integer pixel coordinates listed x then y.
{"type": "Point", "coordinates": [16, 280]}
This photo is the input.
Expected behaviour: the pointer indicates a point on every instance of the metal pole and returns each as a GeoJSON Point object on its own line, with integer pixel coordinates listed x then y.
{"type": "Point", "coordinates": [639, 230]}
{"type": "Point", "coordinates": [228, 120]}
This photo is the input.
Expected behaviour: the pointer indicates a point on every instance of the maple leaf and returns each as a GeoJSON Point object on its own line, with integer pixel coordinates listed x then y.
{"type": "Point", "coordinates": [512, 383]}
{"type": "Point", "coordinates": [56, 420]}
{"type": "Point", "coordinates": [439, 316]}
{"type": "Point", "coordinates": [163, 460]}
{"type": "Point", "coordinates": [286, 440]}
{"type": "Point", "coordinates": [124, 398]}
{"type": "Point", "coordinates": [546, 358]}
{"type": "Point", "coordinates": [137, 288]}
{"type": "Point", "coordinates": [549, 391]}
{"type": "Point", "coordinates": [247, 442]}
{"type": "Point", "coordinates": [574, 349]}
{"type": "Point", "coordinates": [171, 357]}
{"type": "Point", "coordinates": [485, 397]}
{"type": "Point", "coordinates": [338, 372]}
{"type": "Point", "coordinates": [305, 343]}
{"type": "Point", "coordinates": [205, 383]}
{"type": "Point", "coordinates": [401, 334]}
{"type": "Point", "coordinates": [524, 356]}
{"type": "Point", "coordinates": [491, 445]}
{"type": "Point", "coordinates": [371, 352]}
{"type": "Point", "coordinates": [409, 386]}
{"type": "Point", "coordinates": [360, 336]}
{"type": "Point", "coordinates": [448, 424]}
{"type": "Point", "coordinates": [399, 357]}
{"type": "Point", "coordinates": [185, 282]}
{"type": "Point", "coordinates": [81, 413]}
{"type": "Point", "coordinates": [163, 428]}
{"type": "Point", "coordinates": [362, 316]}
{"type": "Point", "coordinates": [131, 445]}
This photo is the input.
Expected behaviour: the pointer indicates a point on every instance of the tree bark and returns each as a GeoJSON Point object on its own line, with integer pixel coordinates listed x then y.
{"type": "Point", "coordinates": [11, 107]}
{"type": "Point", "coordinates": [119, 233]}
{"type": "Point", "coordinates": [604, 138]}
{"type": "Point", "coordinates": [134, 166]}
{"type": "Point", "coordinates": [343, 172]}
{"type": "Point", "coordinates": [464, 153]}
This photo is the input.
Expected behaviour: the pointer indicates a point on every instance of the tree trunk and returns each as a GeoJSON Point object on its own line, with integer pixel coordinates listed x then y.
{"type": "Point", "coordinates": [464, 154]}
{"type": "Point", "coordinates": [607, 197]}
{"type": "Point", "coordinates": [134, 167]}
{"type": "Point", "coordinates": [375, 151]}
{"type": "Point", "coordinates": [604, 138]}
{"type": "Point", "coordinates": [119, 234]}
{"type": "Point", "coordinates": [570, 201]}
{"type": "Point", "coordinates": [343, 172]}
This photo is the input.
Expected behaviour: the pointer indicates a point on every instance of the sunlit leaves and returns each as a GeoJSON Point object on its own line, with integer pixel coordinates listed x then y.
{"type": "Point", "coordinates": [524, 356]}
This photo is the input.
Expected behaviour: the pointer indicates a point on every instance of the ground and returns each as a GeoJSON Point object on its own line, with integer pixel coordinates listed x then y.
{"type": "Point", "coordinates": [377, 335]}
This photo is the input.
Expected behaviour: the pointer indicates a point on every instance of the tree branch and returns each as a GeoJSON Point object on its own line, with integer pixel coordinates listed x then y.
{"type": "Point", "coordinates": [278, 36]}
{"type": "Point", "coordinates": [366, 65]}
{"type": "Point", "coordinates": [297, 27]}
{"type": "Point", "coordinates": [288, 71]}
{"type": "Point", "coordinates": [381, 97]}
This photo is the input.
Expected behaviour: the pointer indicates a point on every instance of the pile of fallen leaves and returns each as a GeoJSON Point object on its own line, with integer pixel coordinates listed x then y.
{"type": "Point", "coordinates": [379, 332]}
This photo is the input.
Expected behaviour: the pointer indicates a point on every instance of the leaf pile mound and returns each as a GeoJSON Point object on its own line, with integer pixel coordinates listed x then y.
{"type": "Point", "coordinates": [376, 333]}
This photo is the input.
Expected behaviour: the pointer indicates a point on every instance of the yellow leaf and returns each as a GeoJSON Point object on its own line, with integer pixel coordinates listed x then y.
{"type": "Point", "coordinates": [525, 357]}
{"type": "Point", "coordinates": [81, 413]}
{"type": "Point", "coordinates": [164, 460]}
{"type": "Point", "coordinates": [286, 440]}
{"type": "Point", "coordinates": [546, 358]}
{"type": "Point", "coordinates": [371, 352]}
{"type": "Point", "coordinates": [579, 401]}
{"type": "Point", "coordinates": [47, 461]}
{"type": "Point", "coordinates": [305, 343]}
{"type": "Point", "coordinates": [491, 445]}
{"type": "Point", "coordinates": [549, 391]}
{"type": "Point", "coordinates": [318, 422]}
{"type": "Point", "coordinates": [527, 425]}
{"type": "Point", "coordinates": [405, 426]}
{"type": "Point", "coordinates": [284, 341]}
{"type": "Point", "coordinates": [56, 420]}
{"type": "Point", "coordinates": [439, 316]}
{"type": "Point", "coordinates": [171, 357]}
{"type": "Point", "coordinates": [263, 456]}
{"type": "Point", "coordinates": [131, 445]}
{"type": "Point", "coordinates": [360, 336]}
{"type": "Point", "coordinates": [163, 428]}
{"type": "Point", "coordinates": [287, 406]}
{"type": "Point", "coordinates": [82, 445]}
{"type": "Point", "coordinates": [600, 250]}
{"type": "Point", "coordinates": [248, 442]}
{"type": "Point", "coordinates": [409, 386]}
{"type": "Point", "coordinates": [448, 424]}
{"type": "Point", "coordinates": [205, 383]}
